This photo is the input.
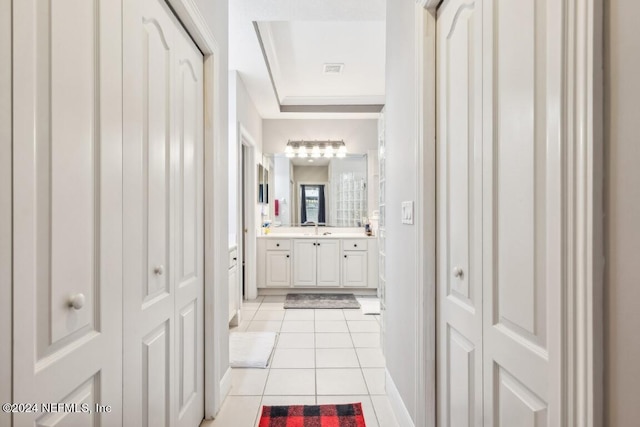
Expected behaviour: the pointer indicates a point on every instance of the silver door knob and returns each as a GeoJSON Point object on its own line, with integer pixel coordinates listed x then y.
{"type": "Point", "coordinates": [458, 272]}
{"type": "Point", "coordinates": [76, 301]}
{"type": "Point", "coordinates": [159, 270]}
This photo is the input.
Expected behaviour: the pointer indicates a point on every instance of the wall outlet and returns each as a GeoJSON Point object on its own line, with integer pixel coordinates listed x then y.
{"type": "Point", "coordinates": [407, 212]}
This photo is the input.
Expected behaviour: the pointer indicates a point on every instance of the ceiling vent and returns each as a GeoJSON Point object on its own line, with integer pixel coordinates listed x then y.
{"type": "Point", "coordinates": [333, 68]}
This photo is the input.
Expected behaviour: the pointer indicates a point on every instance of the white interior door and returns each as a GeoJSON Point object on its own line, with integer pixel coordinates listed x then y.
{"type": "Point", "coordinates": [500, 213]}
{"type": "Point", "coordinates": [459, 136]}
{"type": "Point", "coordinates": [163, 189]}
{"type": "Point", "coordinates": [523, 211]}
{"type": "Point", "coordinates": [67, 163]}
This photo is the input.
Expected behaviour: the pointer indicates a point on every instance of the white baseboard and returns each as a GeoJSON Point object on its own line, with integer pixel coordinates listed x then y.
{"type": "Point", "coordinates": [399, 410]}
{"type": "Point", "coordinates": [225, 385]}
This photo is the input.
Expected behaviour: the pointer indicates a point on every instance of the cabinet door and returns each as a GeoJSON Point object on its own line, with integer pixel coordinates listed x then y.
{"type": "Point", "coordinates": [278, 268]}
{"type": "Point", "coordinates": [328, 263]}
{"type": "Point", "coordinates": [354, 269]}
{"type": "Point", "coordinates": [304, 263]}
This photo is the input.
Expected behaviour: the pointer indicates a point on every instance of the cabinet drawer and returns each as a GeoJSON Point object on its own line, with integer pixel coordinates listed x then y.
{"type": "Point", "coordinates": [278, 244]}
{"type": "Point", "coordinates": [354, 245]}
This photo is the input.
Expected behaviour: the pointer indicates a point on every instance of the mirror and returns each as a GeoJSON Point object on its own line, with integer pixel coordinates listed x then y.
{"type": "Point", "coordinates": [331, 192]}
{"type": "Point", "coordinates": [263, 184]}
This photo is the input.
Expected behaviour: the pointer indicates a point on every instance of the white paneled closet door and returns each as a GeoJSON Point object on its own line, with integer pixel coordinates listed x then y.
{"type": "Point", "coordinates": [67, 217]}
{"type": "Point", "coordinates": [163, 225]}
{"type": "Point", "coordinates": [523, 211]}
{"type": "Point", "coordinates": [500, 213]}
{"type": "Point", "coordinates": [459, 62]}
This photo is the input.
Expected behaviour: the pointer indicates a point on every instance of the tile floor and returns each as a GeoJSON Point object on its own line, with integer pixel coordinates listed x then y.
{"type": "Point", "coordinates": [321, 357]}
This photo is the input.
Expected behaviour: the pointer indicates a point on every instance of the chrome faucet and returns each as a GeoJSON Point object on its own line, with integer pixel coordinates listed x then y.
{"type": "Point", "coordinates": [315, 225]}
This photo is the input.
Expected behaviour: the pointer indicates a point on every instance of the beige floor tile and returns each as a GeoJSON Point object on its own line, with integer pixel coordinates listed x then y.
{"type": "Point", "coordinates": [336, 358]}
{"type": "Point", "coordinates": [296, 340]}
{"type": "Point", "coordinates": [264, 326]}
{"type": "Point", "coordinates": [297, 326]}
{"type": "Point", "coordinates": [384, 412]}
{"type": "Point", "coordinates": [331, 326]}
{"type": "Point", "coordinates": [366, 339]}
{"type": "Point", "coordinates": [333, 340]}
{"type": "Point", "coordinates": [329, 314]}
{"type": "Point", "coordinates": [293, 358]}
{"type": "Point", "coordinates": [370, 357]}
{"type": "Point", "coordinates": [238, 411]}
{"type": "Point", "coordinates": [269, 315]}
{"type": "Point", "coordinates": [375, 379]}
{"type": "Point", "coordinates": [288, 382]}
{"type": "Point", "coordinates": [357, 315]}
{"type": "Point", "coordinates": [363, 326]}
{"type": "Point", "coordinates": [248, 382]}
{"type": "Point", "coordinates": [340, 381]}
{"type": "Point", "coordinates": [299, 314]}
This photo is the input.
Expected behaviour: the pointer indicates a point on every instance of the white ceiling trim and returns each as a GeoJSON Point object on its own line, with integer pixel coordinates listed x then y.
{"type": "Point", "coordinates": [297, 10]}
{"type": "Point", "coordinates": [333, 100]}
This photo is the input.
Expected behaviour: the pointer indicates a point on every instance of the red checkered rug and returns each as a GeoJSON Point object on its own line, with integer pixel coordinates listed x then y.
{"type": "Point", "coordinates": [349, 415]}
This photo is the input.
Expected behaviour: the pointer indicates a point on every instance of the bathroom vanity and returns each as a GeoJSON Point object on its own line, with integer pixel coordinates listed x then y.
{"type": "Point", "coordinates": [304, 259]}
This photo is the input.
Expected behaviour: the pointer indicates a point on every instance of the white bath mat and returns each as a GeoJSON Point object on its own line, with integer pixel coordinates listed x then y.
{"type": "Point", "coordinates": [251, 349]}
{"type": "Point", "coordinates": [370, 305]}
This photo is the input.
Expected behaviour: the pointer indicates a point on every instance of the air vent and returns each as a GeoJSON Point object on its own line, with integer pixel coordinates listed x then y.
{"type": "Point", "coordinates": [333, 68]}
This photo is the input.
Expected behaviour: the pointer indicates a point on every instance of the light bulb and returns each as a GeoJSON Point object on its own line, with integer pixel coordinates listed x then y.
{"type": "Point", "coordinates": [302, 151]}
{"type": "Point", "coordinates": [289, 151]}
{"type": "Point", "coordinates": [315, 151]}
{"type": "Point", "coordinates": [328, 152]}
{"type": "Point", "coordinates": [342, 151]}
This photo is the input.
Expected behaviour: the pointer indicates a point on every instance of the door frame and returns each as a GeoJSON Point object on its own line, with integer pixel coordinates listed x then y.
{"type": "Point", "coordinates": [216, 250]}
{"type": "Point", "coordinates": [247, 214]}
{"type": "Point", "coordinates": [583, 241]}
{"type": "Point", "coordinates": [6, 200]}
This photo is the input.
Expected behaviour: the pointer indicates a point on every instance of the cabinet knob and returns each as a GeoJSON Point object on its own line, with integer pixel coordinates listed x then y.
{"type": "Point", "coordinates": [278, 245]}
{"type": "Point", "coordinates": [76, 301]}
{"type": "Point", "coordinates": [345, 256]}
{"type": "Point", "coordinates": [287, 256]}
{"type": "Point", "coordinates": [318, 244]}
{"type": "Point", "coordinates": [159, 270]}
{"type": "Point", "coordinates": [235, 258]}
{"type": "Point", "coordinates": [458, 272]}
{"type": "Point", "coordinates": [355, 245]}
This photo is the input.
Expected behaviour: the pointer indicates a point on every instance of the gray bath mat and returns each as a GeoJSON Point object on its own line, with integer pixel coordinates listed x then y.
{"type": "Point", "coordinates": [321, 301]}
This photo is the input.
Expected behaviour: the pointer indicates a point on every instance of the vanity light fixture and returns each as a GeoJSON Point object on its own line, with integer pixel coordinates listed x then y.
{"type": "Point", "coordinates": [327, 149]}
{"type": "Point", "coordinates": [315, 151]}
{"type": "Point", "coordinates": [289, 151]}
{"type": "Point", "coordinates": [328, 152]}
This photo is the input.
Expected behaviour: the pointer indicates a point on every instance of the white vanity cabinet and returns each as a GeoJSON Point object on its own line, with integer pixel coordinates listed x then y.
{"type": "Point", "coordinates": [355, 263]}
{"type": "Point", "coordinates": [316, 262]}
{"type": "Point", "coordinates": [278, 263]}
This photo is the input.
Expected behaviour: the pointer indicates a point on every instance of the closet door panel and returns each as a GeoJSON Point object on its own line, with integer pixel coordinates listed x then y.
{"type": "Point", "coordinates": [523, 212]}
{"type": "Point", "coordinates": [149, 293]}
{"type": "Point", "coordinates": [189, 226]}
{"type": "Point", "coordinates": [67, 208]}
{"type": "Point", "coordinates": [459, 148]}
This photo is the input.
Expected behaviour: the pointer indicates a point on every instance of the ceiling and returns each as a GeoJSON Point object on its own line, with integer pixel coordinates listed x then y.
{"type": "Point", "coordinates": [299, 37]}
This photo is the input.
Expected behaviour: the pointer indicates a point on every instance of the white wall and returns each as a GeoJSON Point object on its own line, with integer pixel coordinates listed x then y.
{"type": "Point", "coordinates": [282, 182]}
{"type": "Point", "coordinates": [622, 141]}
{"type": "Point", "coordinates": [242, 111]}
{"type": "Point", "coordinates": [359, 135]}
{"type": "Point", "coordinates": [5, 208]}
{"type": "Point", "coordinates": [401, 173]}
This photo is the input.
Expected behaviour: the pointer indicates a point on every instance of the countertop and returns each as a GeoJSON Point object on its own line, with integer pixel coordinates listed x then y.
{"type": "Point", "coordinates": [314, 236]}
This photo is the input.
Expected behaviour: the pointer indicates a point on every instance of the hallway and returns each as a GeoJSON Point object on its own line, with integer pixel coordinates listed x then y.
{"type": "Point", "coordinates": [321, 357]}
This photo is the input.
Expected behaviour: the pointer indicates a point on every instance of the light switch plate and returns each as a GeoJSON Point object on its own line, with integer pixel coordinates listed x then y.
{"type": "Point", "coordinates": [407, 212]}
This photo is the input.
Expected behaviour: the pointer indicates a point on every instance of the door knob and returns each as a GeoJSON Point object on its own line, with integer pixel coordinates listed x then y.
{"type": "Point", "coordinates": [159, 270]}
{"type": "Point", "coordinates": [458, 272]}
{"type": "Point", "coordinates": [76, 301]}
